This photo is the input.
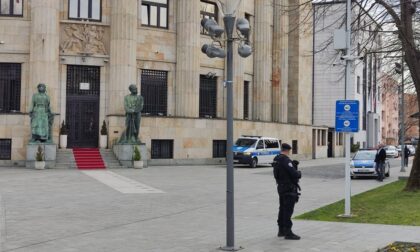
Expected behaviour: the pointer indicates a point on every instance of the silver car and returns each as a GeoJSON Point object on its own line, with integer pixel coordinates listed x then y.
{"type": "Point", "coordinates": [363, 164]}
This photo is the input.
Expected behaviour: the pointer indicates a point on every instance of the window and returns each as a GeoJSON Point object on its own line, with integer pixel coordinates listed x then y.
{"type": "Point", "coordinates": [260, 144]}
{"type": "Point", "coordinates": [154, 89]}
{"type": "Point", "coordinates": [10, 76]}
{"type": "Point", "coordinates": [248, 17]}
{"type": "Point", "coordinates": [162, 149]}
{"type": "Point", "coordinates": [5, 149]}
{"type": "Point", "coordinates": [11, 7]}
{"type": "Point", "coordinates": [208, 10]}
{"type": "Point", "coordinates": [85, 9]}
{"type": "Point", "coordinates": [358, 84]}
{"type": "Point", "coordinates": [219, 148]}
{"type": "Point", "coordinates": [154, 13]}
{"type": "Point", "coordinates": [208, 96]}
{"type": "Point", "coordinates": [246, 99]}
{"type": "Point", "coordinates": [272, 144]}
{"type": "Point", "coordinates": [294, 147]}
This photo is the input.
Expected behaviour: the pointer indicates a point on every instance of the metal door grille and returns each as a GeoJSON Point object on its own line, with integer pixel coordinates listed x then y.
{"type": "Point", "coordinates": [154, 89]}
{"type": "Point", "coordinates": [5, 149]}
{"type": "Point", "coordinates": [208, 97]}
{"type": "Point", "coordinates": [162, 149]}
{"type": "Point", "coordinates": [82, 109]}
{"type": "Point", "coordinates": [10, 81]}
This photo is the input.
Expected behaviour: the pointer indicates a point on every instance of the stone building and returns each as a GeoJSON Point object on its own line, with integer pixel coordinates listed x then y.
{"type": "Point", "coordinates": [88, 52]}
{"type": "Point", "coordinates": [390, 110]}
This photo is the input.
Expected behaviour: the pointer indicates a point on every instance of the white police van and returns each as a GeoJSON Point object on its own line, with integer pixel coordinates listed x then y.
{"type": "Point", "coordinates": [255, 150]}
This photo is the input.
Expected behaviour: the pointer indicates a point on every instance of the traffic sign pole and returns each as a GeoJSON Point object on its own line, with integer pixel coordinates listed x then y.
{"type": "Point", "coordinates": [347, 121]}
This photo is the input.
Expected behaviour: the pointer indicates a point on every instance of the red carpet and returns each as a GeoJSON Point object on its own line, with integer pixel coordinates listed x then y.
{"type": "Point", "coordinates": [88, 158]}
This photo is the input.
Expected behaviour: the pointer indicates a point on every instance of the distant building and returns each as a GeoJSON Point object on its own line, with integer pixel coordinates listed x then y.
{"type": "Point", "coordinates": [329, 75]}
{"type": "Point", "coordinates": [411, 117]}
{"type": "Point", "coordinates": [390, 110]}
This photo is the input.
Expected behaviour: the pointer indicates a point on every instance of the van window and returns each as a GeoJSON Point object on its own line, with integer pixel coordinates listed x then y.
{"type": "Point", "coordinates": [245, 142]}
{"type": "Point", "coordinates": [260, 144]}
{"type": "Point", "coordinates": [272, 144]}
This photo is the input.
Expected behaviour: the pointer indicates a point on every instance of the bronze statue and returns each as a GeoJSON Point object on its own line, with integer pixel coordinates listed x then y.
{"type": "Point", "coordinates": [133, 105]}
{"type": "Point", "coordinates": [41, 116]}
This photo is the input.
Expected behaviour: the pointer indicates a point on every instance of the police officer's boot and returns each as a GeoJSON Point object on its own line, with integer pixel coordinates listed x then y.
{"type": "Point", "coordinates": [291, 236]}
{"type": "Point", "coordinates": [281, 232]}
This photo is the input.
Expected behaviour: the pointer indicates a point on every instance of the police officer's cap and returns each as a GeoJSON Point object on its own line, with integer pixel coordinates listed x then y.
{"type": "Point", "coordinates": [286, 147]}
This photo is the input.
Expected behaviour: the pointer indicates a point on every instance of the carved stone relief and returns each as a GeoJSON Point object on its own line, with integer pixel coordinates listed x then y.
{"type": "Point", "coordinates": [83, 38]}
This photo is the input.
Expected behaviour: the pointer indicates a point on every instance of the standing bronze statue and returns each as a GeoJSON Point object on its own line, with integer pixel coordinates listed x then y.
{"type": "Point", "coordinates": [41, 117]}
{"type": "Point", "coordinates": [133, 105]}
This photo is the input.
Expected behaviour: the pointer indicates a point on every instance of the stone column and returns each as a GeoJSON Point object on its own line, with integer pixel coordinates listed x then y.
{"type": "Point", "coordinates": [280, 62]}
{"type": "Point", "coordinates": [263, 60]}
{"type": "Point", "coordinates": [123, 52]}
{"type": "Point", "coordinates": [187, 84]}
{"type": "Point", "coordinates": [300, 63]}
{"type": "Point", "coordinates": [44, 49]}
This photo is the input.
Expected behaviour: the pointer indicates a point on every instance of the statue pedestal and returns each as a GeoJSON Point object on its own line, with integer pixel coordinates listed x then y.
{"type": "Point", "coordinates": [124, 153]}
{"type": "Point", "coordinates": [50, 153]}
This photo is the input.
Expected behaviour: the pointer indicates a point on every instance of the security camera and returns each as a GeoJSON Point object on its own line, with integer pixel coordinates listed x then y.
{"type": "Point", "coordinates": [242, 25]}
{"type": "Point", "coordinates": [211, 51]}
{"type": "Point", "coordinates": [244, 50]}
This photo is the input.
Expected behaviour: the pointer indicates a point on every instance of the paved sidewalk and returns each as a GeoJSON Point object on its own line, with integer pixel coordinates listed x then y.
{"type": "Point", "coordinates": [67, 210]}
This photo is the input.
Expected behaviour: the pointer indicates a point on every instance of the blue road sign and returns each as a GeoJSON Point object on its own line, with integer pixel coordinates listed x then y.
{"type": "Point", "coordinates": [347, 116]}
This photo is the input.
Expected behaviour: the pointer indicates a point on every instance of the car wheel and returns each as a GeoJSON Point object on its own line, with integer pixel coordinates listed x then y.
{"type": "Point", "coordinates": [352, 177]}
{"type": "Point", "coordinates": [253, 163]}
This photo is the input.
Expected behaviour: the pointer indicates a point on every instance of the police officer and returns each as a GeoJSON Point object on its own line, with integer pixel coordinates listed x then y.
{"type": "Point", "coordinates": [287, 177]}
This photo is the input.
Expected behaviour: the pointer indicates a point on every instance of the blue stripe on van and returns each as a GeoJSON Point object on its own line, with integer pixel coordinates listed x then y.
{"type": "Point", "coordinates": [265, 154]}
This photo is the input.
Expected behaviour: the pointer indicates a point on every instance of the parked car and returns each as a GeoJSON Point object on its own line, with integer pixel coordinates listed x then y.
{"type": "Point", "coordinates": [363, 164]}
{"type": "Point", "coordinates": [391, 151]}
{"type": "Point", "coordinates": [254, 150]}
{"type": "Point", "coordinates": [410, 147]}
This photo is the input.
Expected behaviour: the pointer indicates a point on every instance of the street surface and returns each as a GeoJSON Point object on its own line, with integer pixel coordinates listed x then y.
{"type": "Point", "coordinates": [178, 208]}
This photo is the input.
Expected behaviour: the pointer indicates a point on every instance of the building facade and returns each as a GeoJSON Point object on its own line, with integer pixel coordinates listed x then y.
{"type": "Point", "coordinates": [390, 110]}
{"type": "Point", "coordinates": [88, 52]}
{"type": "Point", "coordinates": [329, 75]}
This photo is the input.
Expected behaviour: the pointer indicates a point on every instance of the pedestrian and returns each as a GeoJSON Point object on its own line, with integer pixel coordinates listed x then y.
{"type": "Point", "coordinates": [406, 155]}
{"type": "Point", "coordinates": [380, 163]}
{"type": "Point", "coordinates": [287, 177]}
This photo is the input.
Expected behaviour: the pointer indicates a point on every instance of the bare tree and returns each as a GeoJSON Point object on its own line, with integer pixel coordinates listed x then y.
{"type": "Point", "coordinates": [397, 22]}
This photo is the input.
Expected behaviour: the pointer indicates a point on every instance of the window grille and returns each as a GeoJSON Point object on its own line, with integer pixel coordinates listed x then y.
{"type": "Point", "coordinates": [11, 8]}
{"type": "Point", "coordinates": [295, 147]}
{"type": "Point", "coordinates": [208, 10]}
{"type": "Point", "coordinates": [246, 99]}
{"type": "Point", "coordinates": [154, 13]}
{"type": "Point", "coordinates": [162, 149]}
{"type": "Point", "coordinates": [219, 148]}
{"type": "Point", "coordinates": [154, 89]}
{"type": "Point", "coordinates": [208, 97]}
{"type": "Point", "coordinates": [85, 9]}
{"type": "Point", "coordinates": [10, 85]}
{"type": "Point", "coordinates": [5, 149]}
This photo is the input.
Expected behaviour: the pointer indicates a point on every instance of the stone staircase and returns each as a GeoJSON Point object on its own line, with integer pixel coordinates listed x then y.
{"type": "Point", "coordinates": [111, 162]}
{"type": "Point", "coordinates": [65, 159]}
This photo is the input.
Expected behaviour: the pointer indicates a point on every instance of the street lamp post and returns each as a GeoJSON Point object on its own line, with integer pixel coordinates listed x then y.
{"type": "Point", "coordinates": [399, 68]}
{"type": "Point", "coordinates": [214, 50]}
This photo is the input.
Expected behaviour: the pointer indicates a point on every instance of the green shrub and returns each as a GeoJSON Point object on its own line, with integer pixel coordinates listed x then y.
{"type": "Point", "coordinates": [137, 155]}
{"type": "Point", "coordinates": [355, 147]}
{"type": "Point", "coordinates": [39, 154]}
{"type": "Point", "coordinates": [63, 129]}
{"type": "Point", "coordinates": [104, 130]}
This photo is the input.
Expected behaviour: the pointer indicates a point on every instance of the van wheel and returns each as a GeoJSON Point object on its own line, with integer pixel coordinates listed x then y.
{"type": "Point", "coordinates": [253, 163]}
{"type": "Point", "coordinates": [387, 174]}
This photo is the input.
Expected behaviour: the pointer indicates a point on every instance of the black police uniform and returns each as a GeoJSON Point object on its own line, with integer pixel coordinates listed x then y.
{"type": "Point", "coordinates": [287, 178]}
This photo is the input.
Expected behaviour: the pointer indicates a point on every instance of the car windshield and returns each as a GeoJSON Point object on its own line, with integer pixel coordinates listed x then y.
{"type": "Point", "coordinates": [365, 155]}
{"type": "Point", "coordinates": [245, 142]}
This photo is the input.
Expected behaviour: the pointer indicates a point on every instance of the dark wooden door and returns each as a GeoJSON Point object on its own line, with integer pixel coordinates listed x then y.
{"type": "Point", "coordinates": [82, 106]}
